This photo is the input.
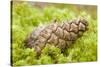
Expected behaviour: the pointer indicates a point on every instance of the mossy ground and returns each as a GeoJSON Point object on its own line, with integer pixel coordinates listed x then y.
{"type": "Point", "coordinates": [26, 17]}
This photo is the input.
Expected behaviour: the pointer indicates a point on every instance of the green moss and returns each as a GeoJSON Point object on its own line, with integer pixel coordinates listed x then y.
{"type": "Point", "coordinates": [45, 60]}
{"type": "Point", "coordinates": [26, 17]}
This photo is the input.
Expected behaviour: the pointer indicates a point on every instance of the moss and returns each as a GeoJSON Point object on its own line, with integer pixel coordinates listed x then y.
{"type": "Point", "coordinates": [26, 17]}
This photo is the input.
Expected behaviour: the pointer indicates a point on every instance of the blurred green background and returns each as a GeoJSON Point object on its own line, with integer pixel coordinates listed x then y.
{"type": "Point", "coordinates": [28, 15]}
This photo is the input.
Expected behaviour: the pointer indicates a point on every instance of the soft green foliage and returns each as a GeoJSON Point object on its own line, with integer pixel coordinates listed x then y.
{"type": "Point", "coordinates": [26, 17]}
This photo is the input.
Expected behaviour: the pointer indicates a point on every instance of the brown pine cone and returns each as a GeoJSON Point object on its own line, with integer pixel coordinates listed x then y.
{"type": "Point", "coordinates": [60, 35]}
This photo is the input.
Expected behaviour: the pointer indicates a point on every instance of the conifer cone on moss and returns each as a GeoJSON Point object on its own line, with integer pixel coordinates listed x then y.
{"type": "Point", "coordinates": [59, 35]}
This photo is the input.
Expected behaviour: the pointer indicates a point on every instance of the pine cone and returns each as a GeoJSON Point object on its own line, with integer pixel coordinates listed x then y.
{"type": "Point", "coordinates": [60, 35]}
